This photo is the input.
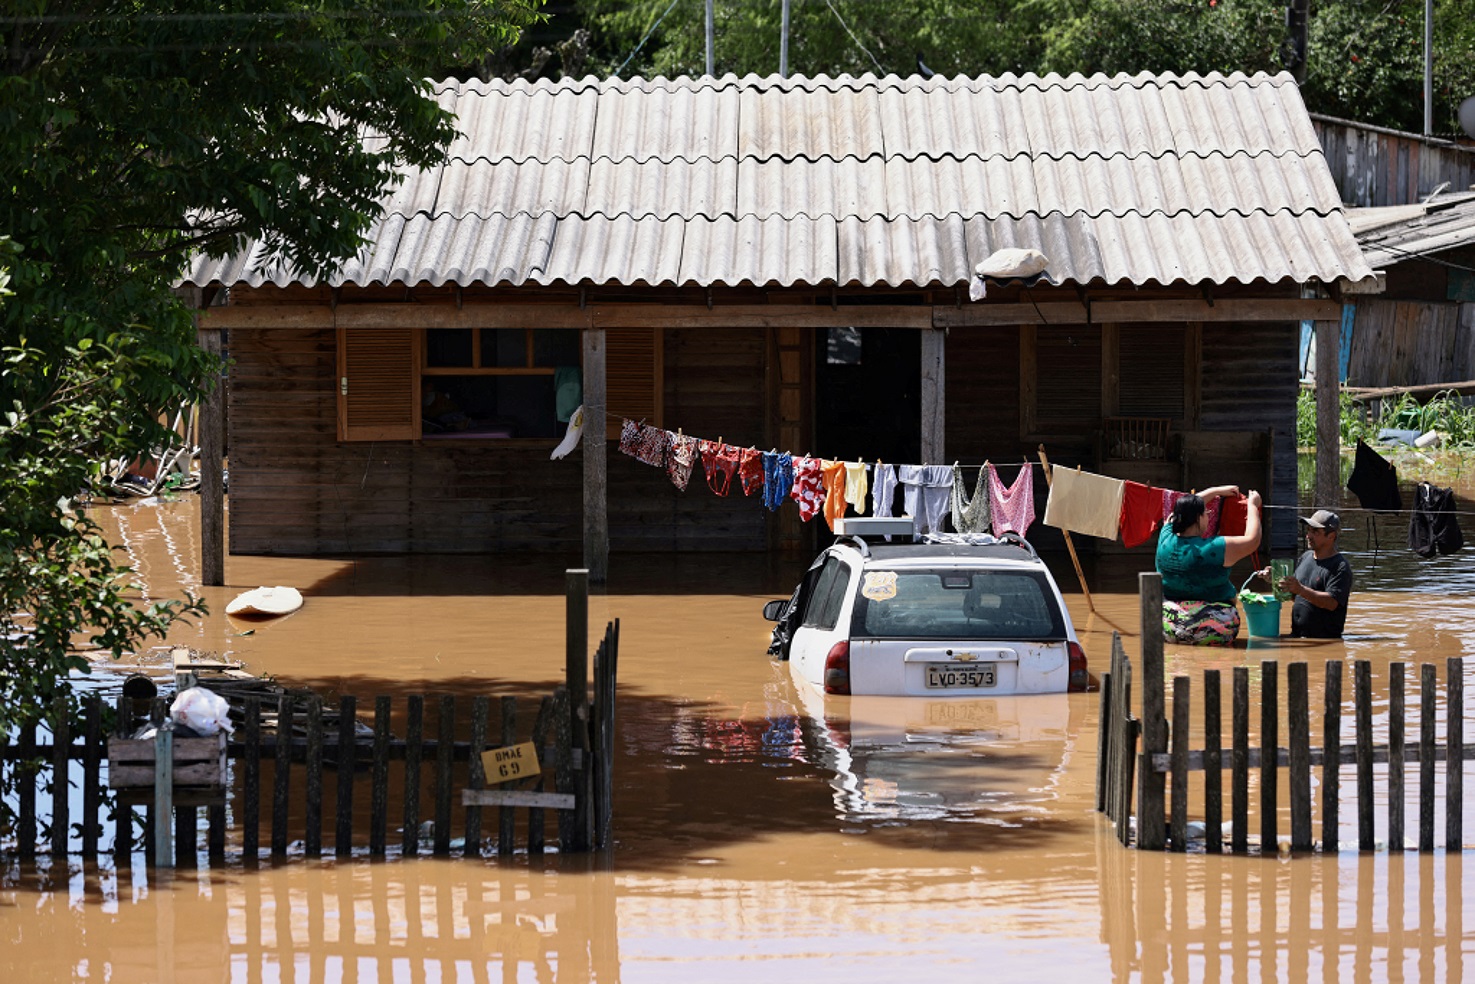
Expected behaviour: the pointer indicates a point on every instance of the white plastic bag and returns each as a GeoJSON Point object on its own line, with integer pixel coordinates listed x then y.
{"type": "Point", "coordinates": [203, 711]}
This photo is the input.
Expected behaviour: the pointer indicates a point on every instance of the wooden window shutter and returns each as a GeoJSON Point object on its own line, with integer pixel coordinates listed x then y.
{"type": "Point", "coordinates": [634, 376]}
{"type": "Point", "coordinates": [1152, 366]}
{"type": "Point", "coordinates": [377, 371]}
{"type": "Point", "coordinates": [1067, 379]}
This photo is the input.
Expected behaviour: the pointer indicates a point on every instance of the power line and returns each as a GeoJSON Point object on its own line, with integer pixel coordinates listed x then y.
{"type": "Point", "coordinates": [854, 38]}
{"type": "Point", "coordinates": [645, 39]}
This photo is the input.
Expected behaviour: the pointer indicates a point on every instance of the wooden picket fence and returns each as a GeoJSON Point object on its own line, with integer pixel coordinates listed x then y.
{"type": "Point", "coordinates": [277, 788]}
{"type": "Point", "coordinates": [1165, 761]}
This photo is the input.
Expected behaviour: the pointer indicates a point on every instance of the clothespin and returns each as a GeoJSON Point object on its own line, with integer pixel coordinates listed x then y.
{"type": "Point", "coordinates": [719, 438]}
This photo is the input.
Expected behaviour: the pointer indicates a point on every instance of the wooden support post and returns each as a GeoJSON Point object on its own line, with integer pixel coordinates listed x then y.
{"type": "Point", "coordinates": [212, 472]}
{"type": "Point", "coordinates": [1331, 763]}
{"type": "Point", "coordinates": [312, 841]}
{"type": "Point", "coordinates": [414, 725]}
{"type": "Point", "coordinates": [25, 777]}
{"type": "Point", "coordinates": [347, 748]}
{"type": "Point", "coordinates": [1298, 715]}
{"type": "Point", "coordinates": [445, 747]}
{"type": "Point", "coordinates": [1075, 561]}
{"type": "Point", "coordinates": [61, 746]}
{"type": "Point", "coordinates": [1269, 754]}
{"type": "Point", "coordinates": [1239, 759]}
{"type": "Point", "coordinates": [164, 795]}
{"type": "Point", "coordinates": [123, 826]}
{"type": "Point", "coordinates": [934, 396]}
{"type": "Point", "coordinates": [576, 664]}
{"type": "Point", "coordinates": [596, 480]}
{"type": "Point", "coordinates": [476, 773]}
{"type": "Point", "coordinates": [1362, 709]}
{"type": "Point", "coordinates": [1213, 765]}
{"type": "Point", "coordinates": [1428, 695]}
{"type": "Point", "coordinates": [379, 777]}
{"type": "Point", "coordinates": [251, 807]}
{"type": "Point", "coordinates": [1328, 414]}
{"type": "Point", "coordinates": [506, 818]}
{"type": "Point", "coordinates": [1105, 730]}
{"type": "Point", "coordinates": [282, 777]}
{"type": "Point", "coordinates": [1454, 762]}
{"type": "Point", "coordinates": [1178, 834]}
{"type": "Point", "coordinates": [1151, 822]}
{"type": "Point", "coordinates": [1396, 714]}
{"type": "Point", "coordinates": [91, 774]}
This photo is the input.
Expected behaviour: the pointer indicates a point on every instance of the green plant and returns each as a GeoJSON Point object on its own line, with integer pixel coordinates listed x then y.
{"type": "Point", "coordinates": [1353, 422]}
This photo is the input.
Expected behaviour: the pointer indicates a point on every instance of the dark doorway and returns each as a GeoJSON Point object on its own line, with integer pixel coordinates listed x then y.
{"type": "Point", "coordinates": [868, 395]}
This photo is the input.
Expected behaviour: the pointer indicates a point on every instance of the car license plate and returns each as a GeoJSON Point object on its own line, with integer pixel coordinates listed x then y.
{"type": "Point", "coordinates": [947, 676]}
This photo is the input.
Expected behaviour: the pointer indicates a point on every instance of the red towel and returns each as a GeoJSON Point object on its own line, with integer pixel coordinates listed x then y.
{"type": "Point", "coordinates": [1233, 516]}
{"type": "Point", "coordinates": [1142, 512]}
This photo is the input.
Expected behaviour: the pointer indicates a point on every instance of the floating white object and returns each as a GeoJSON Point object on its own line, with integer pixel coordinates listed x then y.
{"type": "Point", "coordinates": [1428, 439]}
{"type": "Point", "coordinates": [266, 601]}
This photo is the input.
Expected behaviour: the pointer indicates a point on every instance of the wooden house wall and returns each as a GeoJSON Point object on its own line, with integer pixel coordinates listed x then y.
{"type": "Point", "coordinates": [1410, 343]}
{"type": "Point", "coordinates": [1249, 386]}
{"type": "Point", "coordinates": [714, 387]}
{"type": "Point", "coordinates": [1373, 166]}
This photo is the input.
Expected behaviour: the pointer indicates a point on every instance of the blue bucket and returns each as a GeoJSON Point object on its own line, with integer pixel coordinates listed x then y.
{"type": "Point", "coordinates": [1262, 612]}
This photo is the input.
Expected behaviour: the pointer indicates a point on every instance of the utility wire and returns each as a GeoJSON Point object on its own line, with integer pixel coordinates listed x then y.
{"type": "Point", "coordinates": [854, 38]}
{"type": "Point", "coordinates": [645, 39]}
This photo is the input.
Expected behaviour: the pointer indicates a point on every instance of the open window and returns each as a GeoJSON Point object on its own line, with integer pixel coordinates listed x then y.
{"type": "Point", "coordinates": [503, 384]}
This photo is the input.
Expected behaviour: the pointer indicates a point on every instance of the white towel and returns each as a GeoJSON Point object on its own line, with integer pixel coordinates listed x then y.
{"type": "Point", "coordinates": [1085, 503]}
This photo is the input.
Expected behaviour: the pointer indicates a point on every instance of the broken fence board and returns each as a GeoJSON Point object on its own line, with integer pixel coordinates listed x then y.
{"type": "Point", "coordinates": [517, 797]}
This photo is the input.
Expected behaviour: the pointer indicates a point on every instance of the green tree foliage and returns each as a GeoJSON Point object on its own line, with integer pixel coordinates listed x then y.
{"type": "Point", "coordinates": [132, 134]}
{"type": "Point", "coordinates": [1365, 57]}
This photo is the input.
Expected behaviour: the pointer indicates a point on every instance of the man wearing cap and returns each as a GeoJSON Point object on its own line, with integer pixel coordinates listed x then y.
{"type": "Point", "coordinates": [1322, 582]}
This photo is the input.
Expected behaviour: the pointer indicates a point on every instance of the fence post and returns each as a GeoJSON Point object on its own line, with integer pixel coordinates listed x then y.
{"type": "Point", "coordinates": [1454, 762]}
{"type": "Point", "coordinates": [1362, 708]}
{"type": "Point", "coordinates": [1428, 694]}
{"type": "Point", "coordinates": [1269, 753]}
{"type": "Point", "coordinates": [1152, 834]}
{"type": "Point", "coordinates": [576, 619]}
{"type": "Point", "coordinates": [164, 795]}
{"type": "Point", "coordinates": [1331, 763]}
{"type": "Point", "coordinates": [1298, 713]}
{"type": "Point", "coordinates": [1213, 765]}
{"type": "Point", "coordinates": [61, 747]}
{"type": "Point", "coordinates": [1179, 839]}
{"type": "Point", "coordinates": [1395, 756]}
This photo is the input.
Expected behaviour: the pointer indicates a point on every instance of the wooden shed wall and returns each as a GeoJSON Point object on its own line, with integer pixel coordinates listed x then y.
{"type": "Point", "coordinates": [295, 489]}
{"type": "Point", "coordinates": [1410, 343]}
{"type": "Point", "coordinates": [1373, 166]}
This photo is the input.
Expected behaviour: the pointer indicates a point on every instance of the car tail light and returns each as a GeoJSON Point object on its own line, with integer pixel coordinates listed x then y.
{"type": "Point", "coordinates": [1079, 678]}
{"type": "Point", "coordinates": [837, 668]}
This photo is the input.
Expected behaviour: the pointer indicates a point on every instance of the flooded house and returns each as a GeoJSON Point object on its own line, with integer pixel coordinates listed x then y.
{"type": "Point", "coordinates": [784, 264]}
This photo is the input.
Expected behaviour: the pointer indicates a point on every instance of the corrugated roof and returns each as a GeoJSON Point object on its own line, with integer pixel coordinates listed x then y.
{"type": "Point", "coordinates": [860, 181]}
{"type": "Point", "coordinates": [1394, 233]}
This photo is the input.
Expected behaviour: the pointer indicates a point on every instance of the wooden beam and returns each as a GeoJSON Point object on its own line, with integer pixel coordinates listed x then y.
{"type": "Point", "coordinates": [934, 399]}
{"type": "Point", "coordinates": [1183, 310]}
{"type": "Point", "coordinates": [212, 472]}
{"type": "Point", "coordinates": [1328, 414]}
{"type": "Point", "coordinates": [517, 797]}
{"type": "Point", "coordinates": [596, 477]}
{"type": "Point", "coordinates": [267, 316]}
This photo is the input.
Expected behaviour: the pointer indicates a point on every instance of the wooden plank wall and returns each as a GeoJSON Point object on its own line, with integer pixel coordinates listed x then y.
{"type": "Point", "coordinates": [1250, 382]}
{"type": "Point", "coordinates": [1382, 167]}
{"type": "Point", "coordinates": [1410, 343]}
{"type": "Point", "coordinates": [714, 388]}
{"type": "Point", "coordinates": [296, 490]}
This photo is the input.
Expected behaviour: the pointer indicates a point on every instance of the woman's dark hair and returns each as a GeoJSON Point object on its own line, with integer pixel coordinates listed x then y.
{"type": "Point", "coordinates": [1186, 511]}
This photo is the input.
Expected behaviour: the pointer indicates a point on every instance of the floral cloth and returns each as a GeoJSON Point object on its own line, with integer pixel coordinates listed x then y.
{"type": "Point", "coordinates": [809, 487]}
{"type": "Point", "coordinates": [646, 444]}
{"type": "Point", "coordinates": [1200, 623]}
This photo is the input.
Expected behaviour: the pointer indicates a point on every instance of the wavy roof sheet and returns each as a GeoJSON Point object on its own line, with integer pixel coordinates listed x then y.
{"type": "Point", "coordinates": [859, 181]}
{"type": "Point", "coordinates": [1391, 234]}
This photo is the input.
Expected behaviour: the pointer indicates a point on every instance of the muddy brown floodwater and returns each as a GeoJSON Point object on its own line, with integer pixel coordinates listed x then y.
{"type": "Point", "coordinates": [762, 832]}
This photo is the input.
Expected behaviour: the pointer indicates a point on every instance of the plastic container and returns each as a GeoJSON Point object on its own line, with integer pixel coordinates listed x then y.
{"type": "Point", "coordinates": [1262, 612]}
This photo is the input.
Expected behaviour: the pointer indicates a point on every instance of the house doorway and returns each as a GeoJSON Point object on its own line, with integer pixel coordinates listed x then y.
{"type": "Point", "coordinates": [868, 394]}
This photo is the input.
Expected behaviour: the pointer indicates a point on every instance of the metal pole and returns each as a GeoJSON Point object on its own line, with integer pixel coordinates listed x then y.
{"type": "Point", "coordinates": [164, 795]}
{"type": "Point", "coordinates": [1428, 68]}
{"type": "Point", "coordinates": [783, 43]}
{"type": "Point", "coordinates": [709, 37]}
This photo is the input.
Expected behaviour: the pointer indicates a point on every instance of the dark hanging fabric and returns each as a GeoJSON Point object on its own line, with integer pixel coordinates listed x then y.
{"type": "Point", "coordinates": [1374, 480]}
{"type": "Point", "coordinates": [1434, 528]}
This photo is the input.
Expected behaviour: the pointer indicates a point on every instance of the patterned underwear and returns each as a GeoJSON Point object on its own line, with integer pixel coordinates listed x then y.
{"type": "Point", "coordinates": [1200, 623]}
{"type": "Point", "coordinates": [720, 462]}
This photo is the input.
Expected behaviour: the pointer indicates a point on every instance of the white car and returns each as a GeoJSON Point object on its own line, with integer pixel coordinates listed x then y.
{"type": "Point", "coordinates": [929, 619]}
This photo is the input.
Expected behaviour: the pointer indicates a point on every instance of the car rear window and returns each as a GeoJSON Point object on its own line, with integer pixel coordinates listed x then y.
{"type": "Point", "coordinates": [953, 604]}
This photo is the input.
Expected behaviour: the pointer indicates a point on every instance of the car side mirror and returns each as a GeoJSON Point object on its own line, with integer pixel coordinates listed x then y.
{"type": "Point", "coordinates": [774, 610]}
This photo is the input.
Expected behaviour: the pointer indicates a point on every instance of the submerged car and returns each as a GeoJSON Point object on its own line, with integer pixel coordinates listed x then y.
{"type": "Point", "coordinates": [935, 619]}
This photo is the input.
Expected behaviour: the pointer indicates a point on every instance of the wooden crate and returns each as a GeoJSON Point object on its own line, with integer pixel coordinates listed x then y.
{"type": "Point", "coordinates": [199, 763]}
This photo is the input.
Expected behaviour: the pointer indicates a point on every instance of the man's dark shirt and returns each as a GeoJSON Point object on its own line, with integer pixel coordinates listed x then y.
{"type": "Point", "coordinates": [1332, 575]}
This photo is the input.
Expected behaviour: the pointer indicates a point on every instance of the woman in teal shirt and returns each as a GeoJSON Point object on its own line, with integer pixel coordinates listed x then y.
{"type": "Point", "coordinates": [1198, 596]}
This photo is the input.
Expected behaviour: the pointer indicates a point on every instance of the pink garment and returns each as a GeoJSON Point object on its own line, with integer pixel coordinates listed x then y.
{"type": "Point", "coordinates": [1014, 506]}
{"type": "Point", "coordinates": [809, 487]}
{"type": "Point", "coordinates": [1211, 509]}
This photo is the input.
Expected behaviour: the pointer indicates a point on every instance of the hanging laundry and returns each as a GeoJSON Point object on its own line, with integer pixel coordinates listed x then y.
{"type": "Point", "coordinates": [856, 486]}
{"type": "Point", "coordinates": [1374, 480]}
{"type": "Point", "coordinates": [926, 491]}
{"type": "Point", "coordinates": [809, 487]}
{"type": "Point", "coordinates": [680, 459]}
{"type": "Point", "coordinates": [970, 514]}
{"type": "Point", "coordinates": [1211, 509]}
{"type": "Point", "coordinates": [752, 473]}
{"type": "Point", "coordinates": [1013, 507]}
{"type": "Point", "coordinates": [1142, 513]}
{"type": "Point", "coordinates": [1433, 529]}
{"type": "Point", "coordinates": [571, 436]}
{"type": "Point", "coordinates": [720, 462]}
{"type": "Point", "coordinates": [1233, 515]}
{"type": "Point", "coordinates": [1085, 503]}
{"type": "Point", "coordinates": [833, 474]}
{"type": "Point", "coordinates": [778, 478]}
{"type": "Point", "coordinates": [883, 497]}
{"type": "Point", "coordinates": [645, 444]}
